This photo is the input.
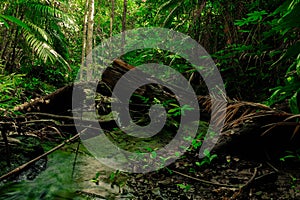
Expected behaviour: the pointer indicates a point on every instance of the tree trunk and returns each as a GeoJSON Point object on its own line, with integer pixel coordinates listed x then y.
{"type": "Point", "coordinates": [124, 24]}
{"type": "Point", "coordinates": [112, 17]}
{"type": "Point", "coordinates": [250, 128]}
{"type": "Point", "coordinates": [89, 45]}
{"type": "Point", "coordinates": [83, 53]}
{"type": "Point", "coordinates": [124, 16]}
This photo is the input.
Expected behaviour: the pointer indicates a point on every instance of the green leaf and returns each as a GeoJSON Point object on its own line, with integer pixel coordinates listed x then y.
{"type": "Point", "coordinates": [294, 103]}
{"type": "Point", "coordinates": [16, 21]}
{"type": "Point", "coordinates": [3, 21]}
{"type": "Point", "coordinates": [153, 154]}
{"type": "Point", "coordinates": [173, 110]}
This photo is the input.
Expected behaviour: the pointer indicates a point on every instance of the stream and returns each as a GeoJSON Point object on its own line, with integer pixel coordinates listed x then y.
{"type": "Point", "coordinates": [89, 180]}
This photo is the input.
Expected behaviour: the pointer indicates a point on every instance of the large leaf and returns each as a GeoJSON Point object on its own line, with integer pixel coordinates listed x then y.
{"type": "Point", "coordinates": [295, 103]}
{"type": "Point", "coordinates": [40, 31]}
{"type": "Point", "coordinates": [43, 50]}
{"type": "Point", "coordinates": [16, 21]}
{"type": "Point", "coordinates": [3, 21]}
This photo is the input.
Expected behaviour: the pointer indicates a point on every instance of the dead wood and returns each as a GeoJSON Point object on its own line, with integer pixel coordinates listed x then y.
{"type": "Point", "coordinates": [248, 125]}
{"type": "Point", "coordinates": [57, 102]}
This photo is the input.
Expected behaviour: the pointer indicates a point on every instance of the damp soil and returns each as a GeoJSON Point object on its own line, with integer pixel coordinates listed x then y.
{"type": "Point", "coordinates": [226, 177]}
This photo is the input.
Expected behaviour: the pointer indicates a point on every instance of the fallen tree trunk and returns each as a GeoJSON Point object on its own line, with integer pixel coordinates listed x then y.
{"type": "Point", "coordinates": [249, 127]}
{"type": "Point", "coordinates": [57, 102]}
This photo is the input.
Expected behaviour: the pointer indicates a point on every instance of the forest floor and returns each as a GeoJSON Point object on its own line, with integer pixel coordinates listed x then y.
{"type": "Point", "coordinates": [227, 177]}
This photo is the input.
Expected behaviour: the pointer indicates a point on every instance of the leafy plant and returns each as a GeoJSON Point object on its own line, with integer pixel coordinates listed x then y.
{"type": "Point", "coordinates": [177, 110]}
{"type": "Point", "coordinates": [207, 159]}
{"type": "Point", "coordinates": [294, 103]}
{"type": "Point", "coordinates": [43, 37]}
{"type": "Point", "coordinates": [184, 186]}
{"type": "Point", "coordinates": [291, 155]}
{"type": "Point", "coordinates": [96, 178]}
{"type": "Point", "coordinates": [10, 91]}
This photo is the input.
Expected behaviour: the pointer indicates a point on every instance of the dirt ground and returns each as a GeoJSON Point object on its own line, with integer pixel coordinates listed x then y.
{"type": "Point", "coordinates": [227, 177]}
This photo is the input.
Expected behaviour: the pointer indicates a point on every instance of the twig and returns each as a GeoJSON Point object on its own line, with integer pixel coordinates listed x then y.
{"type": "Point", "coordinates": [41, 121]}
{"type": "Point", "coordinates": [272, 166]}
{"type": "Point", "coordinates": [55, 129]}
{"type": "Point", "coordinates": [51, 115]}
{"type": "Point", "coordinates": [75, 159]}
{"type": "Point", "coordinates": [207, 182]}
{"type": "Point", "coordinates": [251, 179]}
{"type": "Point", "coordinates": [22, 167]}
{"type": "Point", "coordinates": [236, 194]}
{"type": "Point", "coordinates": [220, 184]}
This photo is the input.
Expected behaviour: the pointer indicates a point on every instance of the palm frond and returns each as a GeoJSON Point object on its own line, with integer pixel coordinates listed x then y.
{"type": "Point", "coordinates": [4, 21]}
{"type": "Point", "coordinates": [40, 32]}
{"type": "Point", "coordinates": [43, 50]}
{"type": "Point", "coordinates": [165, 7]}
{"type": "Point", "coordinates": [41, 9]}
{"type": "Point", "coordinates": [171, 15]}
{"type": "Point", "coordinates": [16, 21]}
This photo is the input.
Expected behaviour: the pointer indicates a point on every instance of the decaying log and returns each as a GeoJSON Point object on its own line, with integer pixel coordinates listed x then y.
{"type": "Point", "coordinates": [56, 102]}
{"type": "Point", "coordinates": [260, 132]}
{"type": "Point", "coordinates": [248, 126]}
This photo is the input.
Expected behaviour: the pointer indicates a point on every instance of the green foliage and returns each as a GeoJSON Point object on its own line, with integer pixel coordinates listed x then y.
{"type": "Point", "coordinates": [179, 110]}
{"type": "Point", "coordinates": [38, 24]}
{"type": "Point", "coordinates": [291, 155]}
{"type": "Point", "coordinates": [184, 186]}
{"type": "Point", "coordinates": [252, 18]}
{"type": "Point", "coordinates": [287, 25]}
{"type": "Point", "coordinates": [207, 159]}
{"type": "Point", "coordinates": [266, 54]}
{"type": "Point", "coordinates": [294, 103]}
{"type": "Point", "coordinates": [10, 90]}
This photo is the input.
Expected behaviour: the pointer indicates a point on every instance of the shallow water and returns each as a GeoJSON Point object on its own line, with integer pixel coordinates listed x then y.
{"type": "Point", "coordinates": [59, 181]}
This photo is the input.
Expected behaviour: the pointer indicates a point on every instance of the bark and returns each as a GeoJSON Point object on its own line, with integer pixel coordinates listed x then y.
{"type": "Point", "coordinates": [124, 15]}
{"type": "Point", "coordinates": [57, 102]}
{"type": "Point", "coordinates": [250, 128]}
{"type": "Point", "coordinates": [84, 34]}
{"type": "Point", "coordinates": [112, 17]}
{"type": "Point", "coordinates": [124, 24]}
{"type": "Point", "coordinates": [89, 45]}
{"type": "Point", "coordinates": [90, 27]}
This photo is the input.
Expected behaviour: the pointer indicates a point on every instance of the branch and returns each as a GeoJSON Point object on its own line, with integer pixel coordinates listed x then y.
{"type": "Point", "coordinates": [22, 167]}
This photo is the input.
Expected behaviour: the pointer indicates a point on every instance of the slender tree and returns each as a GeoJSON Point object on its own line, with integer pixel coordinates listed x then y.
{"type": "Point", "coordinates": [84, 35]}
{"type": "Point", "coordinates": [90, 27]}
{"type": "Point", "coordinates": [124, 15]}
{"type": "Point", "coordinates": [124, 23]}
{"type": "Point", "coordinates": [87, 42]}
{"type": "Point", "coordinates": [112, 17]}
